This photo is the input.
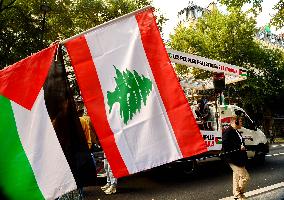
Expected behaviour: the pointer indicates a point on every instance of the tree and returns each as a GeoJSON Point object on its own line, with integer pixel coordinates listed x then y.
{"type": "Point", "coordinates": [277, 20]}
{"type": "Point", "coordinates": [227, 38]}
{"type": "Point", "coordinates": [18, 31]}
{"type": "Point", "coordinates": [230, 38]}
{"type": "Point", "coordinates": [241, 3]}
{"type": "Point", "coordinates": [21, 22]}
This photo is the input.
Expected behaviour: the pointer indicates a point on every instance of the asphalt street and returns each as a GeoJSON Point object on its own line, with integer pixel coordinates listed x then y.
{"type": "Point", "coordinates": [212, 180]}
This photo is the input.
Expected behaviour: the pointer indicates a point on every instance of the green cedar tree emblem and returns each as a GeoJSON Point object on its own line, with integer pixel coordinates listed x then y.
{"type": "Point", "coordinates": [131, 89]}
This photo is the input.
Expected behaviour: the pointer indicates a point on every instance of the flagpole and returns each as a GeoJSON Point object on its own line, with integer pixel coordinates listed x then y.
{"type": "Point", "coordinates": [106, 23]}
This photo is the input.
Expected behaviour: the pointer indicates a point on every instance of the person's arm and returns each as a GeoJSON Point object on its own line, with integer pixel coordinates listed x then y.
{"type": "Point", "coordinates": [226, 141]}
{"type": "Point", "coordinates": [86, 129]}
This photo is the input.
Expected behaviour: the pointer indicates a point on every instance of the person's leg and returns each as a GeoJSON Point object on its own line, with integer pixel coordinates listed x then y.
{"type": "Point", "coordinates": [236, 189]}
{"type": "Point", "coordinates": [244, 179]}
{"type": "Point", "coordinates": [106, 168]}
{"type": "Point", "coordinates": [113, 182]}
{"type": "Point", "coordinates": [93, 157]}
{"type": "Point", "coordinates": [81, 194]}
{"type": "Point", "coordinates": [240, 180]}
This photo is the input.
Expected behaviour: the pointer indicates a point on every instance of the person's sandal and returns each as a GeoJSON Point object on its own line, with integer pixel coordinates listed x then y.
{"type": "Point", "coordinates": [111, 190]}
{"type": "Point", "coordinates": [105, 187]}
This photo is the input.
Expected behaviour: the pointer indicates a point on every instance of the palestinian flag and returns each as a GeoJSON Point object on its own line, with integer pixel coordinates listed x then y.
{"type": "Point", "coordinates": [243, 72]}
{"type": "Point", "coordinates": [43, 153]}
{"type": "Point", "coordinates": [133, 96]}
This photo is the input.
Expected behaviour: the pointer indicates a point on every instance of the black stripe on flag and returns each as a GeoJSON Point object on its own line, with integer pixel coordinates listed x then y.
{"type": "Point", "coordinates": [62, 111]}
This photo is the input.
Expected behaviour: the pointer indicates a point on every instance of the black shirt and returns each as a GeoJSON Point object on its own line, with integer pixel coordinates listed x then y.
{"type": "Point", "coordinates": [231, 146]}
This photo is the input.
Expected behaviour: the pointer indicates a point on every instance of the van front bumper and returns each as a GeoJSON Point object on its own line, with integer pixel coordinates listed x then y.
{"type": "Point", "coordinates": [259, 149]}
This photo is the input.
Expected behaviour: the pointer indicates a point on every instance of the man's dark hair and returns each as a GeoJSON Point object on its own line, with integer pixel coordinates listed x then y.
{"type": "Point", "coordinates": [239, 115]}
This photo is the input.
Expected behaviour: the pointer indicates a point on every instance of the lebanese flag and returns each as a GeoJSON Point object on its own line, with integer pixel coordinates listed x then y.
{"type": "Point", "coordinates": [43, 153]}
{"type": "Point", "coordinates": [133, 96]}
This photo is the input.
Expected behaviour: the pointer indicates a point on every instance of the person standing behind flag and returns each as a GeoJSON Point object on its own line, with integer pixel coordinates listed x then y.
{"type": "Point", "coordinates": [84, 119]}
{"type": "Point", "coordinates": [235, 155]}
{"type": "Point", "coordinates": [86, 128]}
{"type": "Point", "coordinates": [110, 187]}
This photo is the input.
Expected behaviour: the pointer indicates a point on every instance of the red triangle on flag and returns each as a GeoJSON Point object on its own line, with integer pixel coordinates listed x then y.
{"type": "Point", "coordinates": [22, 81]}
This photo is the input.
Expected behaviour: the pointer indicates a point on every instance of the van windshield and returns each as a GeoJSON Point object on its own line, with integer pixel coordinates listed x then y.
{"type": "Point", "coordinates": [247, 122]}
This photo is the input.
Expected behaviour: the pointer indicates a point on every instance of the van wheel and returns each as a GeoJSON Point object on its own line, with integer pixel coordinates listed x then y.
{"type": "Point", "coordinates": [260, 153]}
{"type": "Point", "coordinates": [259, 157]}
{"type": "Point", "coordinates": [190, 167]}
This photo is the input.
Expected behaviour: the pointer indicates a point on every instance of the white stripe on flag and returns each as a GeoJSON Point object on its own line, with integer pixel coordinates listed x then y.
{"type": "Point", "coordinates": [120, 45]}
{"type": "Point", "coordinates": [43, 150]}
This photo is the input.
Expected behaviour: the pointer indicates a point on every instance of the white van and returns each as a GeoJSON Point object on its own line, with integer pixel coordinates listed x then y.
{"type": "Point", "coordinates": [255, 140]}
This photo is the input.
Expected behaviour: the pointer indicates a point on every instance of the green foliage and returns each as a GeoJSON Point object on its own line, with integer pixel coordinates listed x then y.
{"type": "Point", "coordinates": [277, 20]}
{"type": "Point", "coordinates": [90, 13]}
{"type": "Point", "coordinates": [131, 90]}
{"type": "Point", "coordinates": [266, 83]}
{"type": "Point", "coordinates": [18, 31]}
{"type": "Point", "coordinates": [227, 38]}
{"type": "Point", "coordinates": [241, 3]}
{"type": "Point", "coordinates": [21, 22]}
{"type": "Point", "coordinates": [230, 38]}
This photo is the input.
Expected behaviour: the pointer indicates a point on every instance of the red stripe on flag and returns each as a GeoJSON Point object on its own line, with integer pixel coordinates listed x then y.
{"type": "Point", "coordinates": [179, 112]}
{"type": "Point", "coordinates": [22, 81]}
{"type": "Point", "coordinates": [90, 87]}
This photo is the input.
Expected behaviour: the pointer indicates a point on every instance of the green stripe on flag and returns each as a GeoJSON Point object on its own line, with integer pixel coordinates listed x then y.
{"type": "Point", "coordinates": [17, 180]}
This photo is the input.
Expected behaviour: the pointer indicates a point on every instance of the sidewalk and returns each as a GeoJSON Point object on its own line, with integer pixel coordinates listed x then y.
{"type": "Point", "coordinates": [277, 140]}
